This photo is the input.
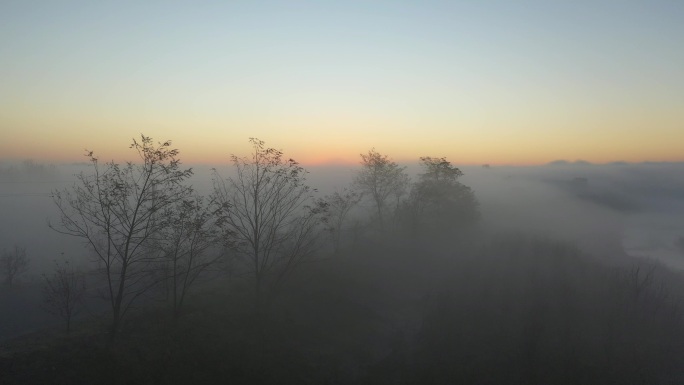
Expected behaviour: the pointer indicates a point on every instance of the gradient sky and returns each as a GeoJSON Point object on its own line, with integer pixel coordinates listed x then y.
{"type": "Point", "coordinates": [500, 82]}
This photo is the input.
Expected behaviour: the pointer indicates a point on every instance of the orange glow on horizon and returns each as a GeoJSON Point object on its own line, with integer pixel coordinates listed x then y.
{"type": "Point", "coordinates": [319, 160]}
{"type": "Point", "coordinates": [318, 150]}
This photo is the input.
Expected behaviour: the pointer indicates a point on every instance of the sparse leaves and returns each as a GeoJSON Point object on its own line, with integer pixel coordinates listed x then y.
{"type": "Point", "coordinates": [117, 210]}
{"type": "Point", "coordinates": [270, 213]}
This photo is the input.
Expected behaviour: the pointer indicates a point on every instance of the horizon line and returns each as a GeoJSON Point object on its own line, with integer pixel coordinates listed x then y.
{"type": "Point", "coordinates": [342, 163]}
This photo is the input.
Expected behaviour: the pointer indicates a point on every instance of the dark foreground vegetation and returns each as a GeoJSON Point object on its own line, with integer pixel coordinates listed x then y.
{"type": "Point", "coordinates": [409, 289]}
{"type": "Point", "coordinates": [521, 311]}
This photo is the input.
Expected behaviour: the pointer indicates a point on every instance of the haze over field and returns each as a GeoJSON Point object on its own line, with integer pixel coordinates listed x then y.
{"type": "Point", "coordinates": [636, 206]}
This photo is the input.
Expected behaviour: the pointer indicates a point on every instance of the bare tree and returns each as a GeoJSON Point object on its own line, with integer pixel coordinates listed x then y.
{"type": "Point", "coordinates": [187, 242]}
{"type": "Point", "coordinates": [117, 210]}
{"type": "Point", "coordinates": [14, 263]}
{"type": "Point", "coordinates": [339, 204]}
{"type": "Point", "coordinates": [381, 178]}
{"type": "Point", "coordinates": [271, 213]}
{"type": "Point", "coordinates": [64, 292]}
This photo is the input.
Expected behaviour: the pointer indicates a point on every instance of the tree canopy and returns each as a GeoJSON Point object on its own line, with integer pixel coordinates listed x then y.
{"type": "Point", "coordinates": [438, 201]}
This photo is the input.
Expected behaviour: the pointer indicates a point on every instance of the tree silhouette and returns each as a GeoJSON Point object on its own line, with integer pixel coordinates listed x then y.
{"type": "Point", "coordinates": [438, 201]}
{"type": "Point", "coordinates": [13, 263]}
{"type": "Point", "coordinates": [270, 212]}
{"type": "Point", "coordinates": [339, 204]}
{"type": "Point", "coordinates": [117, 210]}
{"type": "Point", "coordinates": [186, 243]}
{"type": "Point", "coordinates": [63, 292]}
{"type": "Point", "coordinates": [381, 178]}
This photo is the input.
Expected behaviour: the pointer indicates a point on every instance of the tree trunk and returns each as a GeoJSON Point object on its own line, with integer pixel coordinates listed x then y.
{"type": "Point", "coordinates": [257, 295]}
{"type": "Point", "coordinates": [116, 317]}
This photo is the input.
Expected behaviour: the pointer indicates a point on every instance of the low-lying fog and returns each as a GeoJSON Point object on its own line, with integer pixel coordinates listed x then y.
{"type": "Point", "coordinates": [635, 207]}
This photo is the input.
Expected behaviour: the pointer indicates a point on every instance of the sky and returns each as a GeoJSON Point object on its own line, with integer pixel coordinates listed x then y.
{"type": "Point", "coordinates": [496, 82]}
